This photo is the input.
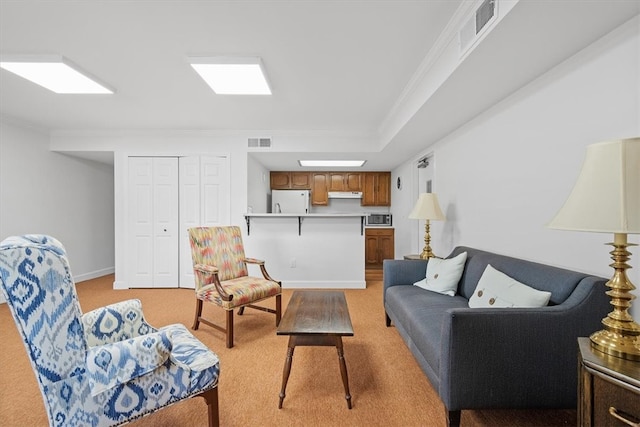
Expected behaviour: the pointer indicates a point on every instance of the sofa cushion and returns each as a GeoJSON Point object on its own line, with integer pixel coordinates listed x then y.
{"type": "Point", "coordinates": [443, 275]}
{"type": "Point", "coordinates": [421, 312]}
{"type": "Point", "coordinates": [496, 289]}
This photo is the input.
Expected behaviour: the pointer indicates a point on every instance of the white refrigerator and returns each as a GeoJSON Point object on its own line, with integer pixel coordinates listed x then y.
{"type": "Point", "coordinates": [290, 201]}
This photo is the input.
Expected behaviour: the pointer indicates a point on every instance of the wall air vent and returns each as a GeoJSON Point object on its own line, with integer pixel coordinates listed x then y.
{"type": "Point", "coordinates": [479, 21]}
{"type": "Point", "coordinates": [259, 143]}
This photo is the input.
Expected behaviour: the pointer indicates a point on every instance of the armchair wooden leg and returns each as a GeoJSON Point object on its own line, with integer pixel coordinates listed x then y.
{"type": "Point", "coordinates": [211, 397]}
{"type": "Point", "coordinates": [278, 309]}
{"type": "Point", "coordinates": [387, 319]}
{"type": "Point", "coordinates": [453, 418]}
{"type": "Point", "coordinates": [241, 311]}
{"type": "Point", "coordinates": [229, 328]}
{"type": "Point", "coordinates": [196, 321]}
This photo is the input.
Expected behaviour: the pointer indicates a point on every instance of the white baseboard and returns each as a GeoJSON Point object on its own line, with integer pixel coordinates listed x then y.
{"type": "Point", "coordinates": [93, 274]}
{"type": "Point", "coordinates": [120, 285]}
{"type": "Point", "coordinates": [339, 284]}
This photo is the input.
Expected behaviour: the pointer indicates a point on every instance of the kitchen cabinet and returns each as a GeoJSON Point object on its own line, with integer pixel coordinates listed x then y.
{"type": "Point", "coordinates": [608, 388]}
{"type": "Point", "coordinates": [378, 246]}
{"type": "Point", "coordinates": [290, 180]}
{"type": "Point", "coordinates": [375, 186]}
{"type": "Point", "coordinates": [319, 189]}
{"type": "Point", "coordinates": [345, 181]}
{"type": "Point", "coordinates": [376, 189]}
{"type": "Point", "coordinates": [300, 181]}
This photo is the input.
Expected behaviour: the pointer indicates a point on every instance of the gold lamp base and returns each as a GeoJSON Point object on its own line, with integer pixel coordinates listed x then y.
{"type": "Point", "coordinates": [426, 251]}
{"type": "Point", "coordinates": [621, 334]}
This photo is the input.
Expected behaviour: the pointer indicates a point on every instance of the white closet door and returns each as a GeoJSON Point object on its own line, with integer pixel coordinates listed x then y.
{"type": "Point", "coordinates": [189, 215]}
{"type": "Point", "coordinates": [153, 222]}
{"type": "Point", "coordinates": [204, 201]}
{"type": "Point", "coordinates": [140, 239]}
{"type": "Point", "coordinates": [165, 214]}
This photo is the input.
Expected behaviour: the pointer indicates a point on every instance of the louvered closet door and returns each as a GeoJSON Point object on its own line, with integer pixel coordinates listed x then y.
{"type": "Point", "coordinates": [152, 243]}
{"type": "Point", "coordinates": [204, 201]}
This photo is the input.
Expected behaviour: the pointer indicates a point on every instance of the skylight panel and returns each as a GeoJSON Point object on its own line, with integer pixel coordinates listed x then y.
{"type": "Point", "coordinates": [232, 76]}
{"type": "Point", "coordinates": [55, 73]}
{"type": "Point", "coordinates": [332, 163]}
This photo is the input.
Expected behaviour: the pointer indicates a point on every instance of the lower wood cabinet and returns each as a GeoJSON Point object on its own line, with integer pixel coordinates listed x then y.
{"type": "Point", "coordinates": [379, 245]}
{"type": "Point", "coordinates": [608, 390]}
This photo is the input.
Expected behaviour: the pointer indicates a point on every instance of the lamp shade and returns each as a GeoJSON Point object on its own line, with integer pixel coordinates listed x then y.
{"type": "Point", "coordinates": [606, 196]}
{"type": "Point", "coordinates": [427, 207]}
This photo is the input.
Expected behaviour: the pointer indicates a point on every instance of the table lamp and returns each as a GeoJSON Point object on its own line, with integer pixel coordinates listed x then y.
{"type": "Point", "coordinates": [606, 199]}
{"type": "Point", "coordinates": [427, 208]}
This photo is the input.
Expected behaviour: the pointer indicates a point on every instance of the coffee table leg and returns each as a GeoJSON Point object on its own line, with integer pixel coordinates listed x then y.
{"type": "Point", "coordinates": [287, 370]}
{"type": "Point", "coordinates": [343, 370]}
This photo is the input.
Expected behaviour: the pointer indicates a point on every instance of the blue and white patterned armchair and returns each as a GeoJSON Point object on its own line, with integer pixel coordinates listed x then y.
{"type": "Point", "coordinates": [108, 366]}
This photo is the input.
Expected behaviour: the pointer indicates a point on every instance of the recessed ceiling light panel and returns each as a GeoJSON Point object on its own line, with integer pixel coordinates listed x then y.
{"type": "Point", "coordinates": [332, 163]}
{"type": "Point", "coordinates": [232, 76]}
{"type": "Point", "coordinates": [55, 73]}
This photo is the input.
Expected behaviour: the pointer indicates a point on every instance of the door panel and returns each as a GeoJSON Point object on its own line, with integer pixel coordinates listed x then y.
{"type": "Point", "coordinates": [140, 219]}
{"type": "Point", "coordinates": [165, 214]}
{"type": "Point", "coordinates": [204, 201]}
{"type": "Point", "coordinates": [153, 222]}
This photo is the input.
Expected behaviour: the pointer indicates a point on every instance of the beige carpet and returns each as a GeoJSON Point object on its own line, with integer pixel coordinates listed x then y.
{"type": "Point", "coordinates": [387, 386]}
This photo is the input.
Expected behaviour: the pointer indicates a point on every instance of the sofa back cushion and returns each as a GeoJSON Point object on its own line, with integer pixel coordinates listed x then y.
{"type": "Point", "coordinates": [558, 281]}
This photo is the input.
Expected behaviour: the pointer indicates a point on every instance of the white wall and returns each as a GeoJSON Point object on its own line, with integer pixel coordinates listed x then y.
{"type": "Point", "coordinates": [503, 176]}
{"type": "Point", "coordinates": [258, 186]}
{"type": "Point", "coordinates": [402, 201]}
{"type": "Point", "coordinates": [68, 198]}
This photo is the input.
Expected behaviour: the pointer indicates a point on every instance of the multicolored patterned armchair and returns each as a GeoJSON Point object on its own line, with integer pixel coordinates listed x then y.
{"type": "Point", "coordinates": [222, 276]}
{"type": "Point", "coordinates": [106, 367]}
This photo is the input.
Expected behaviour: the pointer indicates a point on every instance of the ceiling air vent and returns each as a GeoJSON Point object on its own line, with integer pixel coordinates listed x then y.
{"type": "Point", "coordinates": [471, 30]}
{"type": "Point", "coordinates": [259, 142]}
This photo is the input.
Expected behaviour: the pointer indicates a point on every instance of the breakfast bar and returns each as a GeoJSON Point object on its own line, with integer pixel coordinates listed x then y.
{"type": "Point", "coordinates": [301, 217]}
{"type": "Point", "coordinates": [327, 253]}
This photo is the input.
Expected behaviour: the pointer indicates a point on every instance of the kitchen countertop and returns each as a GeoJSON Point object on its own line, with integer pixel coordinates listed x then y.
{"type": "Point", "coordinates": [281, 215]}
{"type": "Point", "coordinates": [301, 216]}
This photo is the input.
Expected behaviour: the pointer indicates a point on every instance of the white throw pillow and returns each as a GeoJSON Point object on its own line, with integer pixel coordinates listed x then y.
{"type": "Point", "coordinates": [443, 275]}
{"type": "Point", "coordinates": [496, 289]}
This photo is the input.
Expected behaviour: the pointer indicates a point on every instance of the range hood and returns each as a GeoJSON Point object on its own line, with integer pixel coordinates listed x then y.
{"type": "Point", "coordinates": [345, 194]}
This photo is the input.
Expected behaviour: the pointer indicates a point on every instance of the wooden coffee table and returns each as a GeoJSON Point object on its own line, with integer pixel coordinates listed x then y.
{"type": "Point", "coordinates": [316, 318]}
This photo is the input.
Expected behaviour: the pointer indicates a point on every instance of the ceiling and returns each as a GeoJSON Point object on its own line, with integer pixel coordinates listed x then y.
{"type": "Point", "coordinates": [338, 68]}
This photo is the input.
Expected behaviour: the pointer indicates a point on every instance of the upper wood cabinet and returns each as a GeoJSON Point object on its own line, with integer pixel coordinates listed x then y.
{"type": "Point", "coordinates": [345, 181]}
{"type": "Point", "coordinates": [375, 186]}
{"type": "Point", "coordinates": [301, 180]}
{"type": "Point", "coordinates": [319, 189]}
{"type": "Point", "coordinates": [376, 189]}
{"type": "Point", "coordinates": [280, 180]}
{"type": "Point", "coordinates": [290, 180]}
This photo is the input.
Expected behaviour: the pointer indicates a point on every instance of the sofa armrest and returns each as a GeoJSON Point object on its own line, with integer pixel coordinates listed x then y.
{"type": "Point", "coordinates": [402, 272]}
{"type": "Point", "coordinates": [521, 357]}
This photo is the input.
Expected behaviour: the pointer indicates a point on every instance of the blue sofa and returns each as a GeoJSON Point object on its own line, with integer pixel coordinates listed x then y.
{"type": "Point", "coordinates": [480, 358]}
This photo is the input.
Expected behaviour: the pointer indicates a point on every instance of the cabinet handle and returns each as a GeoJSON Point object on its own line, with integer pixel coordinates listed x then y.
{"type": "Point", "coordinates": [614, 413]}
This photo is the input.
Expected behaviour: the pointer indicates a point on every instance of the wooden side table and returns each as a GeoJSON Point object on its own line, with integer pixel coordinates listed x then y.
{"type": "Point", "coordinates": [608, 389]}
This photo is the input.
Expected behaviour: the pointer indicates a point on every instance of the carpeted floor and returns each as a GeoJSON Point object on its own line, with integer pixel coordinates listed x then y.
{"type": "Point", "coordinates": [387, 386]}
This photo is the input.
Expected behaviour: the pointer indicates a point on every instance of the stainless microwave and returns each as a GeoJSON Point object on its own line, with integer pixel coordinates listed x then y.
{"type": "Point", "coordinates": [380, 220]}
